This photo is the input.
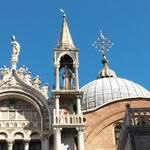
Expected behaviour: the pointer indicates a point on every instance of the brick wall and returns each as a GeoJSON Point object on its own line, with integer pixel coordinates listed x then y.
{"type": "Point", "coordinates": [99, 125]}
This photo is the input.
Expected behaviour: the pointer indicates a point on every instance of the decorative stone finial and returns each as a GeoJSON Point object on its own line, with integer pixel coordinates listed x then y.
{"type": "Point", "coordinates": [36, 81]}
{"type": "Point", "coordinates": [22, 71]}
{"type": "Point", "coordinates": [4, 71]}
{"type": "Point", "coordinates": [45, 89]}
{"type": "Point", "coordinates": [103, 45]}
{"type": "Point", "coordinates": [28, 78]}
{"type": "Point", "coordinates": [15, 52]}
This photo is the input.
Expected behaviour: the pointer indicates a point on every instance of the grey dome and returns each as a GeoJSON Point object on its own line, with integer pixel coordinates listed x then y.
{"type": "Point", "coordinates": [105, 90]}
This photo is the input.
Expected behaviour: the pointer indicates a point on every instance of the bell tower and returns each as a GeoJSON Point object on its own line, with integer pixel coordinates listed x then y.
{"type": "Point", "coordinates": [68, 117]}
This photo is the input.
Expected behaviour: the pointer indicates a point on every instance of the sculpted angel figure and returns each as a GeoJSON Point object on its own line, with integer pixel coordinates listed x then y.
{"type": "Point", "coordinates": [36, 81]}
{"type": "Point", "coordinates": [45, 89]}
{"type": "Point", "coordinates": [4, 72]}
{"type": "Point", "coordinates": [15, 52]}
{"type": "Point", "coordinates": [15, 46]}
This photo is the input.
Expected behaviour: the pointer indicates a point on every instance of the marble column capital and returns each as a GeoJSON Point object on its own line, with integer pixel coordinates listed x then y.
{"type": "Point", "coordinates": [57, 65]}
{"type": "Point", "coordinates": [10, 142]}
{"type": "Point", "coordinates": [80, 129]}
{"type": "Point", "coordinates": [57, 96]}
{"type": "Point", "coordinates": [79, 96]}
{"type": "Point", "coordinates": [45, 137]}
{"type": "Point", "coordinates": [76, 66]}
{"type": "Point", "coordinates": [57, 130]}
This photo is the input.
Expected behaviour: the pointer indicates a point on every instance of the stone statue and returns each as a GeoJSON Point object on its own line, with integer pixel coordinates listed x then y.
{"type": "Point", "coordinates": [25, 74]}
{"type": "Point", "coordinates": [45, 89]}
{"type": "Point", "coordinates": [4, 72]}
{"type": "Point", "coordinates": [36, 81]}
{"type": "Point", "coordinates": [67, 78]}
{"type": "Point", "coordinates": [22, 71]}
{"type": "Point", "coordinates": [15, 52]}
{"type": "Point", "coordinates": [28, 77]}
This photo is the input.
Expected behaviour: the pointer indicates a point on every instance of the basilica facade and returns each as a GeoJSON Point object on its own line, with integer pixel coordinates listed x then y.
{"type": "Point", "coordinates": [73, 118]}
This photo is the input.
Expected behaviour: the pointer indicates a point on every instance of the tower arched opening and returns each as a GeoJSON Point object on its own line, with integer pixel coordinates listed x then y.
{"type": "Point", "coordinates": [66, 71]}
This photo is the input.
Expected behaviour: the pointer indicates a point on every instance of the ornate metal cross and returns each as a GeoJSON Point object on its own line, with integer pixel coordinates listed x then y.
{"type": "Point", "coordinates": [102, 44]}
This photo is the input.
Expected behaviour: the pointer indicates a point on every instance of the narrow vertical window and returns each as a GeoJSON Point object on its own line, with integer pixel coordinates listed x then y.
{"type": "Point", "coordinates": [117, 131]}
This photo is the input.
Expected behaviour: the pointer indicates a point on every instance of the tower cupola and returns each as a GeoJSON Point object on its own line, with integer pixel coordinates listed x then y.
{"type": "Point", "coordinates": [66, 60]}
{"type": "Point", "coordinates": [68, 117]}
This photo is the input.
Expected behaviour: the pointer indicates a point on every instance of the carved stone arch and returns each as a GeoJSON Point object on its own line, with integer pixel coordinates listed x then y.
{"type": "Point", "coordinates": [63, 54]}
{"type": "Point", "coordinates": [18, 132]}
{"type": "Point", "coordinates": [27, 97]}
{"type": "Point", "coordinates": [21, 88]}
{"type": "Point", "coordinates": [3, 135]}
{"type": "Point", "coordinates": [21, 97]}
{"type": "Point", "coordinates": [19, 135]}
{"type": "Point", "coordinates": [35, 135]}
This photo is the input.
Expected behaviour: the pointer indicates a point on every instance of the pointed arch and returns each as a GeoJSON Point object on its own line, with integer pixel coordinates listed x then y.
{"type": "Point", "coordinates": [65, 53]}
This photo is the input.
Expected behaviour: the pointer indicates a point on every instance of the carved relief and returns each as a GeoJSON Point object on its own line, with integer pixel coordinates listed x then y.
{"type": "Point", "coordinates": [19, 114]}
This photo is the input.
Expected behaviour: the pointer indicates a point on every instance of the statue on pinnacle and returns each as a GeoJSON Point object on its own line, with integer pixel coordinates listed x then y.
{"type": "Point", "coordinates": [15, 52]}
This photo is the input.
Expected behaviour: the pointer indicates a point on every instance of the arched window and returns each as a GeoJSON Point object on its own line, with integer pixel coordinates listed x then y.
{"type": "Point", "coordinates": [66, 72]}
{"type": "Point", "coordinates": [31, 124]}
{"type": "Point", "coordinates": [7, 125]}
{"type": "Point", "coordinates": [23, 124]}
{"type": "Point", "coordinates": [15, 125]}
{"type": "Point", "coordinates": [117, 131]}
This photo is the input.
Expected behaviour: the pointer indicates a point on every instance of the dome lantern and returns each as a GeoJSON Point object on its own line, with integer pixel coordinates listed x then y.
{"type": "Point", "coordinates": [103, 45]}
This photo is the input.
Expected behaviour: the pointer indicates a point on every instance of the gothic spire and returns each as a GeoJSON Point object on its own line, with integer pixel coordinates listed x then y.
{"type": "Point", "coordinates": [65, 40]}
{"type": "Point", "coordinates": [103, 44]}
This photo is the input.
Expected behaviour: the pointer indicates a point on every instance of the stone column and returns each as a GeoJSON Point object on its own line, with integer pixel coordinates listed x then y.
{"type": "Point", "coordinates": [76, 82]}
{"type": "Point", "coordinates": [80, 138]}
{"type": "Point", "coordinates": [10, 145]}
{"type": "Point", "coordinates": [57, 76]}
{"type": "Point", "coordinates": [79, 112]}
{"type": "Point", "coordinates": [43, 143]}
{"type": "Point", "coordinates": [57, 104]}
{"type": "Point", "coordinates": [57, 138]}
{"type": "Point", "coordinates": [47, 142]}
{"type": "Point", "coordinates": [26, 145]}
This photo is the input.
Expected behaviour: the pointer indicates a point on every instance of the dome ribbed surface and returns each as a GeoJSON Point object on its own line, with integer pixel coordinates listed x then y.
{"type": "Point", "coordinates": [105, 90]}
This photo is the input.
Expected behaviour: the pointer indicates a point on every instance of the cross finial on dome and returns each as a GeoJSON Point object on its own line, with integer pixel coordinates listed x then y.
{"type": "Point", "coordinates": [103, 45]}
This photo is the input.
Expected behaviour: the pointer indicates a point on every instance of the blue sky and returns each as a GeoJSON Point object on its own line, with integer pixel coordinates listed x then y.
{"type": "Point", "coordinates": [37, 23]}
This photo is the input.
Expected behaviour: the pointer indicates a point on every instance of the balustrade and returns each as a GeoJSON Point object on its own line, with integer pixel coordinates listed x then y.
{"type": "Point", "coordinates": [138, 117]}
{"type": "Point", "coordinates": [69, 119]}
